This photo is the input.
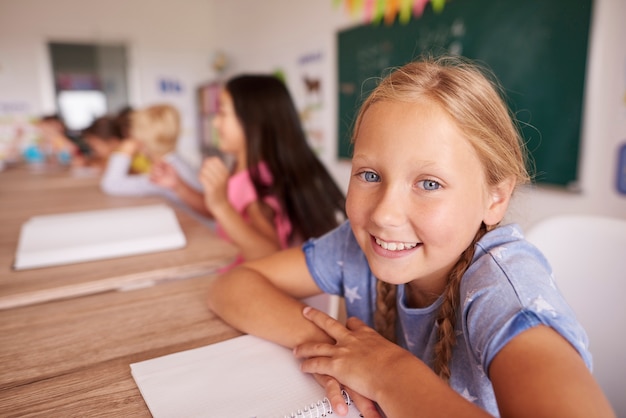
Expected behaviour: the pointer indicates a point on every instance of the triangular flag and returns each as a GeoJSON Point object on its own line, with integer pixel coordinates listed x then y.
{"type": "Point", "coordinates": [418, 7]}
{"type": "Point", "coordinates": [438, 5]}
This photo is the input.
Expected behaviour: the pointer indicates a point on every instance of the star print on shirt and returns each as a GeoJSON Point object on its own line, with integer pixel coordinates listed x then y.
{"type": "Point", "coordinates": [352, 294]}
{"type": "Point", "coordinates": [467, 395]}
{"type": "Point", "coordinates": [469, 298]}
{"type": "Point", "coordinates": [541, 305]}
{"type": "Point", "coordinates": [481, 370]}
{"type": "Point", "coordinates": [498, 253]}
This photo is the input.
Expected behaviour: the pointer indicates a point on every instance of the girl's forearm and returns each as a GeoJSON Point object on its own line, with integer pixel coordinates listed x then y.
{"type": "Point", "coordinates": [249, 302]}
{"type": "Point", "coordinates": [418, 391]}
{"type": "Point", "coordinates": [192, 198]}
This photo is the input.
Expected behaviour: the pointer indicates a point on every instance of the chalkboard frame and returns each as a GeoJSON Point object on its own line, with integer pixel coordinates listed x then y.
{"type": "Point", "coordinates": [536, 48]}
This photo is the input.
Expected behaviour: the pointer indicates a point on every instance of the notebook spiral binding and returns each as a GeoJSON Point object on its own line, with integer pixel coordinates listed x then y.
{"type": "Point", "coordinates": [320, 409]}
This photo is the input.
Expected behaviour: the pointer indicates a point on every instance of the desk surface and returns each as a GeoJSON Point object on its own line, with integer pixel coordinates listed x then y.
{"type": "Point", "coordinates": [72, 357]}
{"type": "Point", "coordinates": [24, 194]}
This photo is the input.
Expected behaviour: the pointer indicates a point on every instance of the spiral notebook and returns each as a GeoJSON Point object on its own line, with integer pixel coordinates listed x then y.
{"type": "Point", "coordinates": [243, 377]}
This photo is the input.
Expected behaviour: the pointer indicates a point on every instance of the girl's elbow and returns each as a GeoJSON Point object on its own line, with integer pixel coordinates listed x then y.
{"type": "Point", "coordinates": [218, 290]}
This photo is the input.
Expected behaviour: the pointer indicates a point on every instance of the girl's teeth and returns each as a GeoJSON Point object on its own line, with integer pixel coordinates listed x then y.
{"type": "Point", "coordinates": [395, 246]}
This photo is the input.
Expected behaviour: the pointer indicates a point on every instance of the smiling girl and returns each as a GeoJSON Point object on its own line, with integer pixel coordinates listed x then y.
{"type": "Point", "coordinates": [450, 313]}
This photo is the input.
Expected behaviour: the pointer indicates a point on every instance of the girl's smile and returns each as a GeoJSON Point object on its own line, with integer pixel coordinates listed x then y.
{"type": "Point", "coordinates": [395, 246]}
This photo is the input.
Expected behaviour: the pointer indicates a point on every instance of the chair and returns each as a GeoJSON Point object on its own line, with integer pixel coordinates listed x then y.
{"type": "Point", "coordinates": [588, 256]}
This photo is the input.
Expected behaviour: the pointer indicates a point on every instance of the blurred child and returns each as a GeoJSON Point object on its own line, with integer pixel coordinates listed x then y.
{"type": "Point", "coordinates": [154, 133]}
{"type": "Point", "coordinates": [55, 144]}
{"type": "Point", "coordinates": [103, 137]}
{"type": "Point", "coordinates": [450, 313]}
{"type": "Point", "coordinates": [277, 192]}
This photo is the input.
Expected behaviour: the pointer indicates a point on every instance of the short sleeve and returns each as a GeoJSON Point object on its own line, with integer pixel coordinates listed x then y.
{"type": "Point", "coordinates": [325, 258]}
{"type": "Point", "coordinates": [508, 290]}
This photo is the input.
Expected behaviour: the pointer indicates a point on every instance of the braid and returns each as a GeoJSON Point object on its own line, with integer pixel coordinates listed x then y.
{"type": "Point", "coordinates": [386, 310]}
{"type": "Point", "coordinates": [446, 318]}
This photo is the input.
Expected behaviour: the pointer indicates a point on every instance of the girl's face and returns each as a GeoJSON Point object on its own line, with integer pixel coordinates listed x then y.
{"type": "Point", "coordinates": [232, 138]}
{"type": "Point", "coordinates": [417, 194]}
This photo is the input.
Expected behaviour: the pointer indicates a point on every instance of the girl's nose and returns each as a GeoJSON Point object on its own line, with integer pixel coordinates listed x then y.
{"type": "Point", "coordinates": [389, 208]}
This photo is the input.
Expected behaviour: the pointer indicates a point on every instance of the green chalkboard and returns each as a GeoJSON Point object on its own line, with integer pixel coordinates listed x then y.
{"type": "Point", "coordinates": [536, 48]}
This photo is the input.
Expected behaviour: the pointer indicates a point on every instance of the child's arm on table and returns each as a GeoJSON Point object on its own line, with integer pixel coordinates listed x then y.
{"type": "Point", "coordinates": [164, 175]}
{"type": "Point", "coordinates": [260, 297]}
{"type": "Point", "coordinates": [536, 374]}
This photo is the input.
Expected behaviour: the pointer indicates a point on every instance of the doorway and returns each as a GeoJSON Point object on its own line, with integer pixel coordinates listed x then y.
{"type": "Point", "coordinates": [90, 80]}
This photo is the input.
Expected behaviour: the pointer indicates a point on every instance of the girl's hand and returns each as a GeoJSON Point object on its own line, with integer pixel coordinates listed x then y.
{"type": "Point", "coordinates": [164, 175]}
{"type": "Point", "coordinates": [214, 178]}
{"type": "Point", "coordinates": [360, 359]}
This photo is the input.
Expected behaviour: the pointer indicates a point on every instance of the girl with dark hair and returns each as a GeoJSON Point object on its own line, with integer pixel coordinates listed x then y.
{"type": "Point", "coordinates": [277, 192]}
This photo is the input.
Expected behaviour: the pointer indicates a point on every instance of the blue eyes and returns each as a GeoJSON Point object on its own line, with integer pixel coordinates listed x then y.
{"type": "Point", "coordinates": [370, 177]}
{"type": "Point", "coordinates": [429, 185]}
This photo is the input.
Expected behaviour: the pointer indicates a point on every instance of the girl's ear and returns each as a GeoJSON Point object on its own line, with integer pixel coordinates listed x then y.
{"type": "Point", "coordinates": [499, 198]}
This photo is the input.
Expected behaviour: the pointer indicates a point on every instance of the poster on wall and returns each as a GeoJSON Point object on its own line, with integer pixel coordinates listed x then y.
{"type": "Point", "coordinates": [310, 87]}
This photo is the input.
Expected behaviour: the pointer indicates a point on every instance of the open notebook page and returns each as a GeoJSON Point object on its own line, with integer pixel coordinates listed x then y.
{"type": "Point", "coordinates": [242, 377]}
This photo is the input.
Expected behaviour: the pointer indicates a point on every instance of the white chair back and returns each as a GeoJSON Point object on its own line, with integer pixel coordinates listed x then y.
{"type": "Point", "coordinates": [588, 256]}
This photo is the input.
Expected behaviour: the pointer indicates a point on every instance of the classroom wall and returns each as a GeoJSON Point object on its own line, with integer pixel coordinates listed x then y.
{"type": "Point", "coordinates": [176, 41]}
{"type": "Point", "coordinates": [264, 36]}
{"type": "Point", "coordinates": [170, 41]}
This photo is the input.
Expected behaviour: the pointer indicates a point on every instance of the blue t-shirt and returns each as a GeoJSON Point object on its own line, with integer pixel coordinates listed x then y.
{"type": "Point", "coordinates": [507, 289]}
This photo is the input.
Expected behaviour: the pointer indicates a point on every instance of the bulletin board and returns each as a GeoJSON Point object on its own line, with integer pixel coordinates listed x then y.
{"type": "Point", "coordinates": [536, 48]}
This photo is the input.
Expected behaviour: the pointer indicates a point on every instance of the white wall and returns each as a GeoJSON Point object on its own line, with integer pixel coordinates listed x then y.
{"type": "Point", "coordinates": [170, 40]}
{"type": "Point", "coordinates": [178, 39]}
{"type": "Point", "coordinates": [270, 34]}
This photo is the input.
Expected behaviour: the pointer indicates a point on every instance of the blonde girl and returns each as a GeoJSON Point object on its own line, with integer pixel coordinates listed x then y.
{"type": "Point", "coordinates": [154, 132]}
{"type": "Point", "coordinates": [450, 313]}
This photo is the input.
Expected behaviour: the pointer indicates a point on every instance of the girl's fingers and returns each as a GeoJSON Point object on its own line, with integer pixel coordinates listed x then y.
{"type": "Point", "coordinates": [365, 406]}
{"type": "Point", "coordinates": [331, 326]}
{"type": "Point", "coordinates": [333, 393]}
{"type": "Point", "coordinates": [307, 350]}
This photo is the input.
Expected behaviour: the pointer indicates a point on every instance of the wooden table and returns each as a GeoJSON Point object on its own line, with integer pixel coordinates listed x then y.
{"type": "Point", "coordinates": [72, 357]}
{"type": "Point", "coordinates": [66, 343]}
{"type": "Point", "coordinates": [24, 194]}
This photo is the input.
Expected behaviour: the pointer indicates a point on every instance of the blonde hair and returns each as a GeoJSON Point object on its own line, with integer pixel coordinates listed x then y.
{"type": "Point", "coordinates": [157, 127]}
{"type": "Point", "coordinates": [471, 96]}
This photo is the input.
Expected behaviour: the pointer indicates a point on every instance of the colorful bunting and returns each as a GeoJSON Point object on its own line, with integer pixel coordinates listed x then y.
{"type": "Point", "coordinates": [376, 11]}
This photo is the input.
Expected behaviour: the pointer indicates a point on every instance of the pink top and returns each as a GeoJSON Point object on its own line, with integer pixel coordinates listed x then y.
{"type": "Point", "coordinates": [241, 193]}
